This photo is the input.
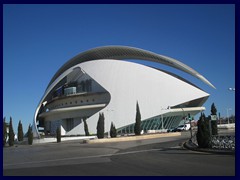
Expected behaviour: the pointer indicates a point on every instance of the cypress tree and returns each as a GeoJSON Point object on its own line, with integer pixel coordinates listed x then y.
{"type": "Point", "coordinates": [4, 131]}
{"type": "Point", "coordinates": [58, 133]}
{"type": "Point", "coordinates": [113, 131]}
{"type": "Point", "coordinates": [30, 135]}
{"type": "Point", "coordinates": [203, 137]}
{"type": "Point", "coordinates": [86, 127]}
{"type": "Point", "coordinates": [11, 133]}
{"type": "Point", "coordinates": [213, 109]}
{"type": "Point", "coordinates": [20, 131]}
{"type": "Point", "coordinates": [137, 127]}
{"type": "Point", "coordinates": [214, 123]}
{"type": "Point", "coordinates": [100, 126]}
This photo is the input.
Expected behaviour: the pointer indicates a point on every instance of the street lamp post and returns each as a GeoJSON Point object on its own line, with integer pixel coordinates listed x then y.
{"type": "Point", "coordinates": [162, 115]}
{"type": "Point", "coordinates": [190, 120]}
{"type": "Point", "coordinates": [108, 115]}
{"type": "Point", "coordinates": [184, 115]}
{"type": "Point", "coordinates": [228, 109]}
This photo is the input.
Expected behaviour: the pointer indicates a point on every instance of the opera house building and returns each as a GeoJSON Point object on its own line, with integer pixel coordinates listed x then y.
{"type": "Point", "coordinates": [101, 80]}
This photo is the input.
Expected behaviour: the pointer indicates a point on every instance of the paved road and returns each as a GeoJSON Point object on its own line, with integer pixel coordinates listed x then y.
{"type": "Point", "coordinates": [155, 157]}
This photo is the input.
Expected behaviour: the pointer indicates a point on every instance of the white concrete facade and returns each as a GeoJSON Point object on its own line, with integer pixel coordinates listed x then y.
{"type": "Point", "coordinates": [130, 82]}
{"type": "Point", "coordinates": [121, 85]}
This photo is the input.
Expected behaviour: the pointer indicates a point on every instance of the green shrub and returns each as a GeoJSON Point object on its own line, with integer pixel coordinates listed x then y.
{"type": "Point", "coordinates": [86, 127]}
{"type": "Point", "coordinates": [4, 132]}
{"type": "Point", "coordinates": [100, 126]}
{"type": "Point", "coordinates": [113, 131]}
{"type": "Point", "coordinates": [11, 133]}
{"type": "Point", "coordinates": [20, 131]}
{"type": "Point", "coordinates": [30, 135]}
{"type": "Point", "coordinates": [203, 136]}
{"type": "Point", "coordinates": [58, 134]}
{"type": "Point", "coordinates": [137, 126]}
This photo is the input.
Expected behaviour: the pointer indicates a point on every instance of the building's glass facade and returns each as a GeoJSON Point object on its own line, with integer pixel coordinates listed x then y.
{"type": "Point", "coordinates": [160, 122]}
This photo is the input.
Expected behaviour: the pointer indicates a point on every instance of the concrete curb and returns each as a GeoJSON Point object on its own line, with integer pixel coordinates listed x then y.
{"type": "Point", "coordinates": [132, 138]}
{"type": "Point", "coordinates": [193, 147]}
{"type": "Point", "coordinates": [63, 139]}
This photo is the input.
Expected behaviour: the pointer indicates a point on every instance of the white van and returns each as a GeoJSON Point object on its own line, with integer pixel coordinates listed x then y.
{"type": "Point", "coordinates": [184, 127]}
{"type": "Point", "coordinates": [187, 126]}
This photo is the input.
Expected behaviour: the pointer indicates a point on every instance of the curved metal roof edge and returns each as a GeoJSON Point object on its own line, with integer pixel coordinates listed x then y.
{"type": "Point", "coordinates": [127, 52]}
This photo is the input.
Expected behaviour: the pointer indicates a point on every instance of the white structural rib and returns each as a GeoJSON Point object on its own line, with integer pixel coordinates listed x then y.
{"type": "Point", "coordinates": [125, 52]}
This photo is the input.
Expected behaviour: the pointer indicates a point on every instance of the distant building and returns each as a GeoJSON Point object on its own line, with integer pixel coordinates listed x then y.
{"type": "Point", "coordinates": [99, 80]}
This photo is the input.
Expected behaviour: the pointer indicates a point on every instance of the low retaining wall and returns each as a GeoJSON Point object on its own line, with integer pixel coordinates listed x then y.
{"type": "Point", "coordinates": [54, 139]}
{"type": "Point", "coordinates": [226, 126]}
{"type": "Point", "coordinates": [133, 138]}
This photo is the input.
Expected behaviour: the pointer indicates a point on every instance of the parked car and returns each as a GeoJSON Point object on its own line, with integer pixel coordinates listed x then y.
{"type": "Point", "coordinates": [181, 128]}
{"type": "Point", "coordinates": [184, 127]}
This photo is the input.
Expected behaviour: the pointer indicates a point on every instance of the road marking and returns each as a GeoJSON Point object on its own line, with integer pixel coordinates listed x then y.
{"type": "Point", "coordinates": [85, 157]}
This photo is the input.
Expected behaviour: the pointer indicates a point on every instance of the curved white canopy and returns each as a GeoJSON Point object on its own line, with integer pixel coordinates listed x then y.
{"type": "Point", "coordinates": [126, 52]}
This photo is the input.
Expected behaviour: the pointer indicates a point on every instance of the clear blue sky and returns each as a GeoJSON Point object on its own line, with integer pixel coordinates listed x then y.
{"type": "Point", "coordinates": [39, 39]}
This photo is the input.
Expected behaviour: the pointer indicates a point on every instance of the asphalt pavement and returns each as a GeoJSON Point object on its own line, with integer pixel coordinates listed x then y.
{"type": "Point", "coordinates": [149, 157]}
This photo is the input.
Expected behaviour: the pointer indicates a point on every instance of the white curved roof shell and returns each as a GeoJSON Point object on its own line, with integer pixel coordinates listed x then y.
{"type": "Point", "coordinates": [125, 52]}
